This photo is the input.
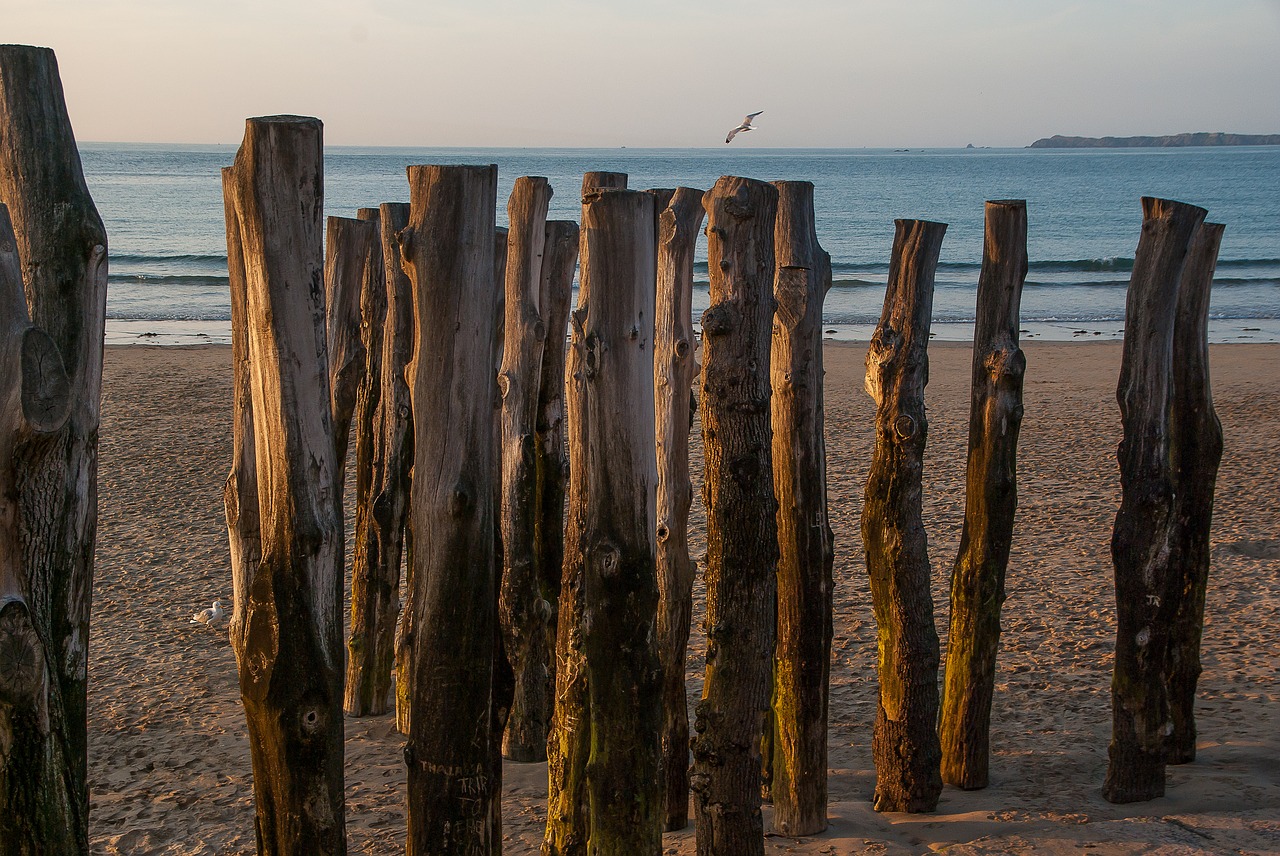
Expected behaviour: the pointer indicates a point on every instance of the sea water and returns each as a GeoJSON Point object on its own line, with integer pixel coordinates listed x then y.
{"type": "Point", "coordinates": [162, 205]}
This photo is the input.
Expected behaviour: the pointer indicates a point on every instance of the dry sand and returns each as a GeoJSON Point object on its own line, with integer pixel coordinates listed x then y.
{"type": "Point", "coordinates": [169, 761]}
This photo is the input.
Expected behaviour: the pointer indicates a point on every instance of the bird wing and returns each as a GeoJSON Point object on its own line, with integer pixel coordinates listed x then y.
{"type": "Point", "coordinates": [750, 116]}
{"type": "Point", "coordinates": [733, 134]}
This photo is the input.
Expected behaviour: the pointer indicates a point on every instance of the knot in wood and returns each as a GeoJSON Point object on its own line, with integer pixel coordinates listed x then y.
{"type": "Point", "coordinates": [21, 661]}
{"type": "Point", "coordinates": [539, 331]}
{"type": "Point", "coordinates": [904, 427]}
{"type": "Point", "coordinates": [682, 348]}
{"type": "Point", "coordinates": [633, 333]}
{"type": "Point", "coordinates": [460, 501]}
{"type": "Point", "coordinates": [312, 720]}
{"type": "Point", "coordinates": [738, 206]}
{"type": "Point", "coordinates": [609, 559]}
{"type": "Point", "coordinates": [46, 389]}
{"type": "Point", "coordinates": [504, 383]}
{"type": "Point", "coordinates": [719, 320]}
{"type": "Point", "coordinates": [591, 356]}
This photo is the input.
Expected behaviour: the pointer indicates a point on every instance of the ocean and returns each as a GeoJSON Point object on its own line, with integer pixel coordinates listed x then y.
{"type": "Point", "coordinates": [162, 205]}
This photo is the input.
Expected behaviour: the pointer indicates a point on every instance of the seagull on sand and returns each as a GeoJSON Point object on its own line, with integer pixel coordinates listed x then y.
{"type": "Point", "coordinates": [745, 126]}
{"type": "Point", "coordinates": [210, 616]}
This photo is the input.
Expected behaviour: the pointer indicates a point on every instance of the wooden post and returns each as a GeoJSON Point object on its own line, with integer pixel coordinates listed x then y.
{"type": "Point", "coordinates": [569, 746]}
{"type": "Point", "coordinates": [382, 470]}
{"type": "Point", "coordinates": [37, 814]}
{"type": "Point", "coordinates": [674, 345]}
{"type": "Point", "coordinates": [1147, 585]}
{"type": "Point", "coordinates": [447, 251]}
{"type": "Point", "coordinates": [620, 587]}
{"type": "Point", "coordinates": [742, 536]}
{"type": "Point", "coordinates": [991, 498]}
{"type": "Point", "coordinates": [802, 659]}
{"type": "Point", "coordinates": [350, 263]}
{"type": "Point", "coordinates": [905, 740]}
{"type": "Point", "coordinates": [560, 258]}
{"type": "Point", "coordinates": [523, 613]}
{"type": "Point", "coordinates": [240, 493]}
{"type": "Point", "coordinates": [1197, 451]}
{"type": "Point", "coordinates": [293, 617]}
{"type": "Point", "coordinates": [62, 247]}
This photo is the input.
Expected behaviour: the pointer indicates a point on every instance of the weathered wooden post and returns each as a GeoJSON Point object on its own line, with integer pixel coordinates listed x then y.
{"type": "Point", "coordinates": [742, 536]}
{"type": "Point", "coordinates": [991, 498]}
{"type": "Point", "coordinates": [905, 740]}
{"type": "Point", "coordinates": [1197, 451]}
{"type": "Point", "coordinates": [351, 262]}
{"type": "Point", "coordinates": [620, 587]}
{"type": "Point", "coordinates": [290, 651]}
{"type": "Point", "coordinates": [674, 364]}
{"type": "Point", "coordinates": [1148, 586]}
{"type": "Point", "coordinates": [37, 814]}
{"type": "Point", "coordinates": [382, 471]}
{"type": "Point", "coordinates": [569, 746]}
{"type": "Point", "coordinates": [62, 247]}
{"type": "Point", "coordinates": [523, 613]}
{"type": "Point", "coordinates": [559, 259]}
{"type": "Point", "coordinates": [447, 251]}
{"type": "Point", "coordinates": [802, 658]}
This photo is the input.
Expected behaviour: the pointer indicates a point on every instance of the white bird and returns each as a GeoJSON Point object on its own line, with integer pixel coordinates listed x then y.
{"type": "Point", "coordinates": [745, 126]}
{"type": "Point", "coordinates": [210, 616]}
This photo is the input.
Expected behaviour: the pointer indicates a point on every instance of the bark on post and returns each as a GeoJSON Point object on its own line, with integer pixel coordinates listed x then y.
{"type": "Point", "coordinates": [37, 812]}
{"type": "Point", "coordinates": [1197, 451]}
{"type": "Point", "coordinates": [1147, 583]}
{"type": "Point", "coordinates": [240, 493]}
{"type": "Point", "coordinates": [569, 747]}
{"type": "Point", "coordinates": [742, 537]}
{"type": "Point", "coordinates": [991, 498]}
{"type": "Point", "coordinates": [382, 470]}
{"type": "Point", "coordinates": [674, 363]}
{"type": "Point", "coordinates": [290, 653]}
{"type": "Point", "coordinates": [559, 259]}
{"type": "Point", "coordinates": [62, 248]}
{"type": "Point", "coordinates": [905, 740]}
{"type": "Point", "coordinates": [522, 611]}
{"type": "Point", "coordinates": [802, 658]}
{"type": "Point", "coordinates": [351, 262]}
{"type": "Point", "coordinates": [620, 587]}
{"type": "Point", "coordinates": [447, 250]}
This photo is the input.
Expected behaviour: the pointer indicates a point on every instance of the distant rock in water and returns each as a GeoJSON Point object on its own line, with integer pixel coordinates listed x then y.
{"type": "Point", "coordinates": [1202, 139]}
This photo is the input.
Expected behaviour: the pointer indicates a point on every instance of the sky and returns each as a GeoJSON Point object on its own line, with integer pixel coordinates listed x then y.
{"type": "Point", "coordinates": [665, 73]}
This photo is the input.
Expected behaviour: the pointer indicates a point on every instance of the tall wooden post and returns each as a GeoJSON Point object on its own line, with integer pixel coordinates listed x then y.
{"type": "Point", "coordinates": [742, 536]}
{"type": "Point", "coordinates": [674, 363]}
{"type": "Point", "coordinates": [62, 247]}
{"type": "Point", "coordinates": [523, 613]}
{"type": "Point", "coordinates": [1197, 451]}
{"type": "Point", "coordinates": [991, 498]}
{"type": "Point", "coordinates": [569, 746]}
{"type": "Point", "coordinates": [37, 814]}
{"type": "Point", "coordinates": [292, 617]}
{"type": "Point", "coordinates": [620, 587]}
{"type": "Point", "coordinates": [905, 740]}
{"type": "Point", "coordinates": [802, 658]}
{"type": "Point", "coordinates": [350, 263]}
{"type": "Point", "coordinates": [447, 250]}
{"type": "Point", "coordinates": [559, 260]}
{"type": "Point", "coordinates": [1147, 585]}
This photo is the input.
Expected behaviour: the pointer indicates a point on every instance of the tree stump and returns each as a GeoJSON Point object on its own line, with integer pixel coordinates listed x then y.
{"type": "Point", "coordinates": [802, 659]}
{"type": "Point", "coordinates": [447, 251]}
{"type": "Point", "coordinates": [569, 746]}
{"type": "Point", "coordinates": [742, 538]}
{"type": "Point", "coordinates": [62, 248]}
{"type": "Point", "coordinates": [991, 498]}
{"type": "Point", "coordinates": [293, 615]}
{"type": "Point", "coordinates": [905, 740]}
{"type": "Point", "coordinates": [523, 613]}
{"type": "Point", "coordinates": [620, 587]}
{"type": "Point", "coordinates": [1197, 451]}
{"type": "Point", "coordinates": [1147, 583]}
{"type": "Point", "coordinates": [674, 364]}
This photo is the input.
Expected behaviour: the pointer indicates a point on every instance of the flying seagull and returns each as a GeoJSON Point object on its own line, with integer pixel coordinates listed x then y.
{"type": "Point", "coordinates": [210, 616]}
{"type": "Point", "coordinates": [745, 126]}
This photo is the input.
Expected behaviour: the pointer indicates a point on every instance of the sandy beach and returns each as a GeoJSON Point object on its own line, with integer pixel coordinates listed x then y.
{"type": "Point", "coordinates": [169, 767]}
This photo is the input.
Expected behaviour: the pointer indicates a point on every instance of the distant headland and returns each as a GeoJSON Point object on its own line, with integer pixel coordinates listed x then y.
{"type": "Point", "coordinates": [1215, 138]}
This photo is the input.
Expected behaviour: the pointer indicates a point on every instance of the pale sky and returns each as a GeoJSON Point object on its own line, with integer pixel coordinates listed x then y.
{"type": "Point", "coordinates": [830, 73]}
